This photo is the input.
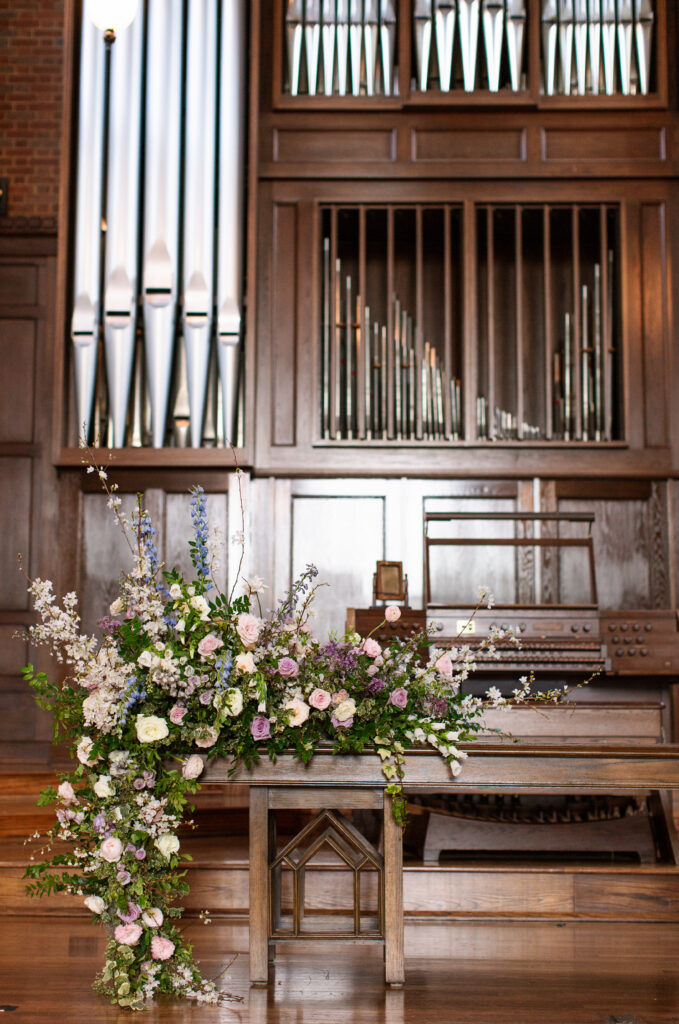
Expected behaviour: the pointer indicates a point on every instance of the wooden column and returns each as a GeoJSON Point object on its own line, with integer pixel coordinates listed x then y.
{"type": "Point", "coordinates": [394, 971]}
{"type": "Point", "coordinates": [259, 883]}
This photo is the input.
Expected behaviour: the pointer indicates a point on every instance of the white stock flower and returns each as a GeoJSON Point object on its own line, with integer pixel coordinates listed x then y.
{"type": "Point", "coordinates": [151, 728]}
{"type": "Point", "coordinates": [84, 749]}
{"type": "Point", "coordinates": [200, 605]}
{"type": "Point", "coordinates": [116, 607]}
{"type": "Point", "coordinates": [103, 787]}
{"type": "Point", "coordinates": [175, 592]}
{"type": "Point", "coordinates": [146, 659]}
{"type": "Point", "coordinates": [167, 845]}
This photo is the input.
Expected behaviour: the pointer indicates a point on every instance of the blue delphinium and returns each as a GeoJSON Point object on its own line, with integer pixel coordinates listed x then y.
{"type": "Point", "coordinates": [199, 548]}
{"type": "Point", "coordinates": [223, 668]}
{"type": "Point", "coordinates": [135, 692]}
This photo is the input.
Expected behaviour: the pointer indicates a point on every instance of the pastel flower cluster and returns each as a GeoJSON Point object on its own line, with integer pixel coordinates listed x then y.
{"type": "Point", "coordinates": [184, 674]}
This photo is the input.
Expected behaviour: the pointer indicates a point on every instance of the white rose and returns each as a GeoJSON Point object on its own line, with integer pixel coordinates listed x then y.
{"type": "Point", "coordinates": [200, 605]}
{"type": "Point", "coordinates": [95, 904]}
{"type": "Point", "coordinates": [175, 592]}
{"type": "Point", "coordinates": [193, 767]}
{"type": "Point", "coordinates": [233, 703]}
{"type": "Point", "coordinates": [117, 607]}
{"type": "Point", "coordinates": [153, 917]}
{"type": "Point", "coordinates": [111, 849]}
{"type": "Point", "coordinates": [345, 710]}
{"type": "Point", "coordinates": [245, 662]}
{"type": "Point", "coordinates": [145, 659]}
{"type": "Point", "coordinates": [83, 751]}
{"type": "Point", "coordinates": [103, 787]}
{"type": "Point", "coordinates": [167, 844]}
{"type": "Point", "coordinates": [299, 711]}
{"type": "Point", "coordinates": [181, 626]}
{"type": "Point", "coordinates": [151, 728]}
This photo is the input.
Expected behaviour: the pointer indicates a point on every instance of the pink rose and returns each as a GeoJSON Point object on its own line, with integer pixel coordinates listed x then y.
{"type": "Point", "coordinates": [373, 670]}
{"type": "Point", "coordinates": [66, 793]}
{"type": "Point", "coordinates": [207, 737]}
{"type": "Point", "coordinates": [209, 644]}
{"type": "Point", "coordinates": [398, 697]}
{"type": "Point", "coordinates": [128, 934]}
{"type": "Point", "coordinates": [338, 697]}
{"type": "Point", "coordinates": [444, 666]}
{"type": "Point", "coordinates": [319, 699]}
{"type": "Point", "coordinates": [371, 647]}
{"type": "Point", "coordinates": [392, 613]}
{"type": "Point", "coordinates": [111, 849]}
{"type": "Point", "coordinates": [177, 713]}
{"type": "Point", "coordinates": [260, 727]}
{"type": "Point", "coordinates": [248, 628]}
{"type": "Point", "coordinates": [288, 668]}
{"type": "Point", "coordinates": [192, 767]}
{"type": "Point", "coordinates": [162, 948]}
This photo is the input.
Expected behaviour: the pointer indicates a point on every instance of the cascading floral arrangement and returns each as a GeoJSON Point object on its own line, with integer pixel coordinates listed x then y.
{"type": "Point", "coordinates": [184, 674]}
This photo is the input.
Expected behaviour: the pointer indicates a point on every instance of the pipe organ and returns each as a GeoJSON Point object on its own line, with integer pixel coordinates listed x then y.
{"type": "Point", "coordinates": [157, 317]}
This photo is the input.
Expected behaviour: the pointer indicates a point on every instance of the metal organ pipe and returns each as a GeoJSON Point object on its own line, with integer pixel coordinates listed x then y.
{"type": "Point", "coordinates": [161, 202]}
{"type": "Point", "coordinates": [122, 223]}
{"type": "Point", "coordinates": [230, 263]}
{"type": "Point", "coordinates": [199, 203]}
{"type": "Point", "coordinates": [85, 320]}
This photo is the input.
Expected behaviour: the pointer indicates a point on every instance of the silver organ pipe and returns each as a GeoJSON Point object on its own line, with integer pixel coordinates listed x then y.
{"type": "Point", "coordinates": [608, 44]}
{"type": "Point", "coordinates": [342, 32]}
{"type": "Point", "coordinates": [122, 223]}
{"type": "Point", "coordinates": [625, 45]}
{"type": "Point", "coordinates": [516, 26]}
{"type": "Point", "coordinates": [388, 44]}
{"type": "Point", "coordinates": [643, 31]}
{"type": "Point", "coordinates": [566, 44]}
{"type": "Point", "coordinates": [580, 39]}
{"type": "Point", "coordinates": [328, 33]}
{"type": "Point", "coordinates": [468, 18]}
{"type": "Point", "coordinates": [445, 38]}
{"type": "Point", "coordinates": [493, 25]}
{"type": "Point", "coordinates": [312, 42]}
{"type": "Point", "coordinates": [422, 26]}
{"type": "Point", "coordinates": [370, 40]}
{"type": "Point", "coordinates": [161, 202]}
{"type": "Point", "coordinates": [594, 30]}
{"type": "Point", "coordinates": [294, 31]}
{"type": "Point", "coordinates": [199, 203]}
{"type": "Point", "coordinates": [356, 43]}
{"type": "Point", "coordinates": [231, 162]}
{"type": "Point", "coordinates": [85, 320]}
{"type": "Point", "coordinates": [549, 41]}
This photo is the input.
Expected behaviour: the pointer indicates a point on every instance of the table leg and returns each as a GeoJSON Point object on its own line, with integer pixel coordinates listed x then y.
{"type": "Point", "coordinates": [394, 971]}
{"type": "Point", "coordinates": [259, 883]}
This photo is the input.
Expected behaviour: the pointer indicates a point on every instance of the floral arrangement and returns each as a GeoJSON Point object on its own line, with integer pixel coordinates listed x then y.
{"type": "Point", "coordinates": [183, 674]}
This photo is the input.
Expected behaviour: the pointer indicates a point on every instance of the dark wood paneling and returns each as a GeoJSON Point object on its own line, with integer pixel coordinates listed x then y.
{"type": "Point", "coordinates": [283, 325]}
{"type": "Point", "coordinates": [581, 144]}
{"type": "Point", "coordinates": [330, 146]}
{"type": "Point", "coordinates": [17, 359]}
{"type": "Point", "coordinates": [19, 285]}
{"type": "Point", "coordinates": [654, 324]}
{"type": "Point", "coordinates": [442, 144]}
{"type": "Point", "coordinates": [13, 652]}
{"type": "Point", "coordinates": [15, 504]}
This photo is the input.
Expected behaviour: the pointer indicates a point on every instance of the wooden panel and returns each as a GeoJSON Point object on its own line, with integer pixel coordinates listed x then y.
{"type": "Point", "coordinates": [19, 285]}
{"type": "Point", "coordinates": [17, 359]}
{"type": "Point", "coordinates": [18, 717]}
{"type": "Point", "coordinates": [13, 652]}
{"type": "Point", "coordinates": [283, 325]}
{"type": "Point", "coordinates": [347, 146]}
{"type": "Point", "coordinates": [603, 144]}
{"type": "Point", "coordinates": [477, 892]}
{"type": "Point", "coordinates": [104, 554]}
{"type": "Point", "coordinates": [653, 326]}
{"type": "Point", "coordinates": [631, 893]}
{"type": "Point", "coordinates": [15, 504]}
{"type": "Point", "coordinates": [345, 535]}
{"type": "Point", "coordinates": [454, 146]}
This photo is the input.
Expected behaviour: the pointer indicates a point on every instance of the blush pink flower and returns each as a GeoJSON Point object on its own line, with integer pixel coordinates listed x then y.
{"type": "Point", "coordinates": [298, 711]}
{"type": "Point", "coordinates": [207, 737]}
{"type": "Point", "coordinates": [398, 697]}
{"type": "Point", "coordinates": [371, 647]}
{"type": "Point", "coordinates": [392, 613]}
{"type": "Point", "coordinates": [260, 727]}
{"type": "Point", "coordinates": [192, 767]}
{"type": "Point", "coordinates": [338, 697]}
{"type": "Point", "coordinates": [111, 849]}
{"type": "Point", "coordinates": [128, 934]}
{"type": "Point", "coordinates": [176, 714]}
{"type": "Point", "coordinates": [162, 948]}
{"type": "Point", "coordinates": [444, 666]}
{"type": "Point", "coordinates": [66, 793]}
{"type": "Point", "coordinates": [209, 644]}
{"type": "Point", "coordinates": [288, 668]}
{"type": "Point", "coordinates": [248, 628]}
{"type": "Point", "coordinates": [319, 699]}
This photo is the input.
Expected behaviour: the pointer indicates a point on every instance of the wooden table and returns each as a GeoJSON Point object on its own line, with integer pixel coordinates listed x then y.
{"type": "Point", "coordinates": [357, 782]}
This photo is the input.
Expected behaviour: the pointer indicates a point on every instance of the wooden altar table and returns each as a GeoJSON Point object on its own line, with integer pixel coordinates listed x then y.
{"type": "Point", "coordinates": [356, 781]}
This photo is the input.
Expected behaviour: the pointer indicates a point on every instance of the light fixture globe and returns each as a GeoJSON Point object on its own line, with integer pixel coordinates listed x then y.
{"type": "Point", "coordinates": [112, 15]}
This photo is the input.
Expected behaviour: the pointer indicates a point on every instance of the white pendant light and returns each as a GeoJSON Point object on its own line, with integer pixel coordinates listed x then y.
{"type": "Point", "coordinates": [112, 15]}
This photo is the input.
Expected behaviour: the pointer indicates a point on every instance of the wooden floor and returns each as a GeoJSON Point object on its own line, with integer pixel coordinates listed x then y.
{"type": "Point", "coordinates": [467, 973]}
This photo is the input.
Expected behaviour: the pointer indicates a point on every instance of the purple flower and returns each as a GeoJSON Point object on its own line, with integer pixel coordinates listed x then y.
{"type": "Point", "coordinates": [375, 685]}
{"type": "Point", "coordinates": [346, 724]}
{"type": "Point", "coordinates": [206, 697]}
{"type": "Point", "coordinates": [398, 697]}
{"type": "Point", "coordinates": [99, 821]}
{"type": "Point", "coordinates": [150, 779]}
{"type": "Point", "coordinates": [124, 877]}
{"type": "Point", "coordinates": [133, 912]}
{"type": "Point", "coordinates": [260, 727]}
{"type": "Point", "coordinates": [140, 854]}
{"type": "Point", "coordinates": [108, 625]}
{"type": "Point", "coordinates": [288, 668]}
{"type": "Point", "coordinates": [139, 784]}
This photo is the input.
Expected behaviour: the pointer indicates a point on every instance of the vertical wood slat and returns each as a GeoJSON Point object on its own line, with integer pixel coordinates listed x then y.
{"type": "Point", "coordinates": [548, 322]}
{"type": "Point", "coordinates": [577, 332]}
{"type": "Point", "coordinates": [490, 308]}
{"type": "Point", "coordinates": [533, 27]}
{"type": "Point", "coordinates": [334, 319]}
{"type": "Point", "coordinates": [654, 322]}
{"type": "Point", "coordinates": [389, 369]}
{"type": "Point", "coordinates": [419, 311]}
{"type": "Point", "coordinates": [283, 327]}
{"type": "Point", "coordinates": [447, 323]}
{"type": "Point", "coordinates": [470, 340]}
{"type": "Point", "coordinates": [360, 340]}
{"type": "Point", "coordinates": [519, 325]}
{"type": "Point", "coordinates": [258, 883]}
{"type": "Point", "coordinates": [394, 973]}
{"type": "Point", "coordinates": [606, 324]}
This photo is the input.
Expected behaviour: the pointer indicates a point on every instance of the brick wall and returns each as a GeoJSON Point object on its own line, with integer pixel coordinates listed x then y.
{"type": "Point", "coordinates": [31, 53]}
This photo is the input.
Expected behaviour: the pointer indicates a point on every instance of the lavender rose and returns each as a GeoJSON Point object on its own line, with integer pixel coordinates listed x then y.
{"type": "Point", "coordinates": [177, 713]}
{"type": "Point", "coordinates": [346, 724]}
{"type": "Point", "coordinates": [288, 668]}
{"type": "Point", "coordinates": [398, 697]}
{"type": "Point", "coordinates": [260, 727]}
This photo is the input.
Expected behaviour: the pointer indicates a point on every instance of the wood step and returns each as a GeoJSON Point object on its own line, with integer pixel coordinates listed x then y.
{"type": "Point", "coordinates": [218, 878]}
